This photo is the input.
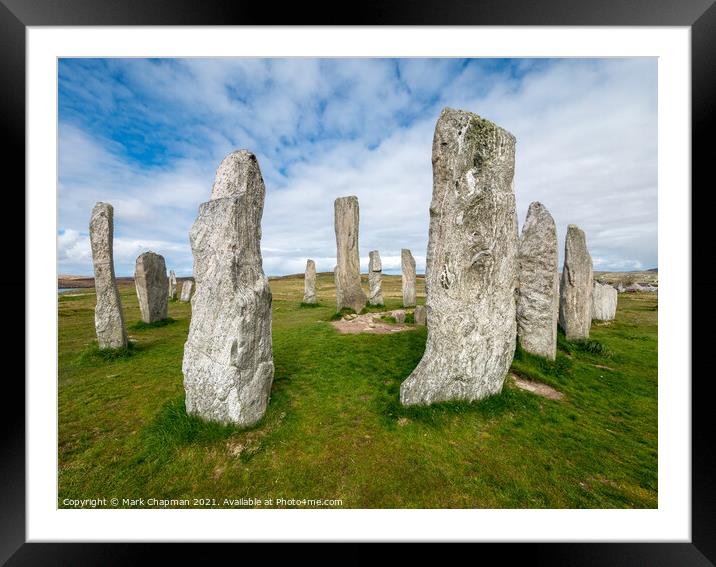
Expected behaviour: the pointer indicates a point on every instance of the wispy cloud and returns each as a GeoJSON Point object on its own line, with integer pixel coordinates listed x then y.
{"type": "Point", "coordinates": [147, 135]}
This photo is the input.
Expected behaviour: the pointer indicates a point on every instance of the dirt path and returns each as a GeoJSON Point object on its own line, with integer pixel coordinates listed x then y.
{"type": "Point", "coordinates": [368, 323]}
{"type": "Point", "coordinates": [537, 388]}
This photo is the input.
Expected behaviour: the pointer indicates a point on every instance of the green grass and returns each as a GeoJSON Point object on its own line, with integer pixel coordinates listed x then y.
{"type": "Point", "coordinates": [142, 326]}
{"type": "Point", "coordinates": [335, 427]}
{"type": "Point", "coordinates": [92, 354]}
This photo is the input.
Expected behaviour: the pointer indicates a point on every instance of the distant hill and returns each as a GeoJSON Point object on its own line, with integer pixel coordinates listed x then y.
{"type": "Point", "coordinates": [67, 281]}
{"type": "Point", "coordinates": [644, 277]}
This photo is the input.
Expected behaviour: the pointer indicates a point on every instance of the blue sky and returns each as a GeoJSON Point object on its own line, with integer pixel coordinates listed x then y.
{"type": "Point", "coordinates": [147, 136]}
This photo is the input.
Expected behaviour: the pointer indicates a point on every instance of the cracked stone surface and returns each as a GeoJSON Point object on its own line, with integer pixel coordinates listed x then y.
{"type": "Point", "coordinates": [471, 271]}
{"type": "Point", "coordinates": [347, 272]}
{"type": "Point", "coordinates": [538, 297]}
{"type": "Point", "coordinates": [151, 282]}
{"type": "Point", "coordinates": [108, 316]}
{"type": "Point", "coordinates": [228, 358]}
{"type": "Point", "coordinates": [575, 301]}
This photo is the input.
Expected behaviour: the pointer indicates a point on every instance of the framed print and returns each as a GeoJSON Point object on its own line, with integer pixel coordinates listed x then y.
{"type": "Point", "coordinates": [393, 280]}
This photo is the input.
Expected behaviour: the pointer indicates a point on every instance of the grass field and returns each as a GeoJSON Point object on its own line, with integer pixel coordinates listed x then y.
{"type": "Point", "coordinates": [335, 429]}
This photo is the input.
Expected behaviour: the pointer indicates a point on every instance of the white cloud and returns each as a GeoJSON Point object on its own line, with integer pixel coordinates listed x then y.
{"type": "Point", "coordinates": [586, 148]}
{"type": "Point", "coordinates": [73, 248]}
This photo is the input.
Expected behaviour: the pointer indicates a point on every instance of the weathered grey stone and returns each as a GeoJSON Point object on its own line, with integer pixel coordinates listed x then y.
{"type": "Point", "coordinates": [375, 276]}
{"type": "Point", "coordinates": [471, 270]}
{"type": "Point", "coordinates": [187, 287]}
{"type": "Point", "coordinates": [407, 263]}
{"type": "Point", "coordinates": [347, 273]}
{"type": "Point", "coordinates": [309, 282]}
{"type": "Point", "coordinates": [108, 316]}
{"type": "Point", "coordinates": [172, 285]}
{"type": "Point", "coordinates": [151, 282]}
{"type": "Point", "coordinates": [575, 297]}
{"type": "Point", "coordinates": [604, 302]}
{"type": "Point", "coordinates": [228, 360]}
{"type": "Point", "coordinates": [538, 297]}
{"type": "Point", "coordinates": [398, 315]}
{"type": "Point", "coordinates": [420, 315]}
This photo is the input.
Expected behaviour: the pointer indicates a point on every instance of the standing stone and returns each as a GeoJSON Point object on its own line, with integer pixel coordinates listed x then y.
{"type": "Point", "coordinates": [604, 302]}
{"type": "Point", "coordinates": [420, 315]}
{"type": "Point", "coordinates": [538, 298]}
{"type": "Point", "coordinates": [186, 288]}
{"type": "Point", "coordinates": [309, 283]}
{"type": "Point", "coordinates": [575, 298]}
{"type": "Point", "coordinates": [172, 285]}
{"type": "Point", "coordinates": [407, 263]}
{"type": "Point", "coordinates": [347, 273]}
{"type": "Point", "coordinates": [398, 315]}
{"type": "Point", "coordinates": [471, 269]}
{"type": "Point", "coordinates": [150, 279]}
{"type": "Point", "coordinates": [228, 359]}
{"type": "Point", "coordinates": [108, 317]}
{"type": "Point", "coordinates": [375, 275]}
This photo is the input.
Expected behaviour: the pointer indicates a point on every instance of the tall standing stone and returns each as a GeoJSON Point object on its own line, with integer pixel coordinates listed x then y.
{"type": "Point", "coordinates": [538, 298]}
{"type": "Point", "coordinates": [347, 273]}
{"type": "Point", "coordinates": [420, 315]}
{"type": "Point", "coordinates": [186, 288]}
{"type": "Point", "coordinates": [407, 263]}
{"type": "Point", "coordinates": [108, 316]}
{"type": "Point", "coordinates": [309, 283]}
{"type": "Point", "coordinates": [471, 269]}
{"type": "Point", "coordinates": [575, 296]}
{"type": "Point", "coordinates": [172, 285]}
{"type": "Point", "coordinates": [375, 276]}
{"type": "Point", "coordinates": [150, 279]}
{"type": "Point", "coordinates": [228, 359]}
{"type": "Point", "coordinates": [604, 302]}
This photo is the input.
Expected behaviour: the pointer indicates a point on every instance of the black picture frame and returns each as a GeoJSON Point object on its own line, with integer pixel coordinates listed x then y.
{"type": "Point", "coordinates": [17, 15]}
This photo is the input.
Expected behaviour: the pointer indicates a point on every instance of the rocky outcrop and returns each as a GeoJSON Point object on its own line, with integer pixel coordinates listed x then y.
{"type": "Point", "coordinates": [398, 315]}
